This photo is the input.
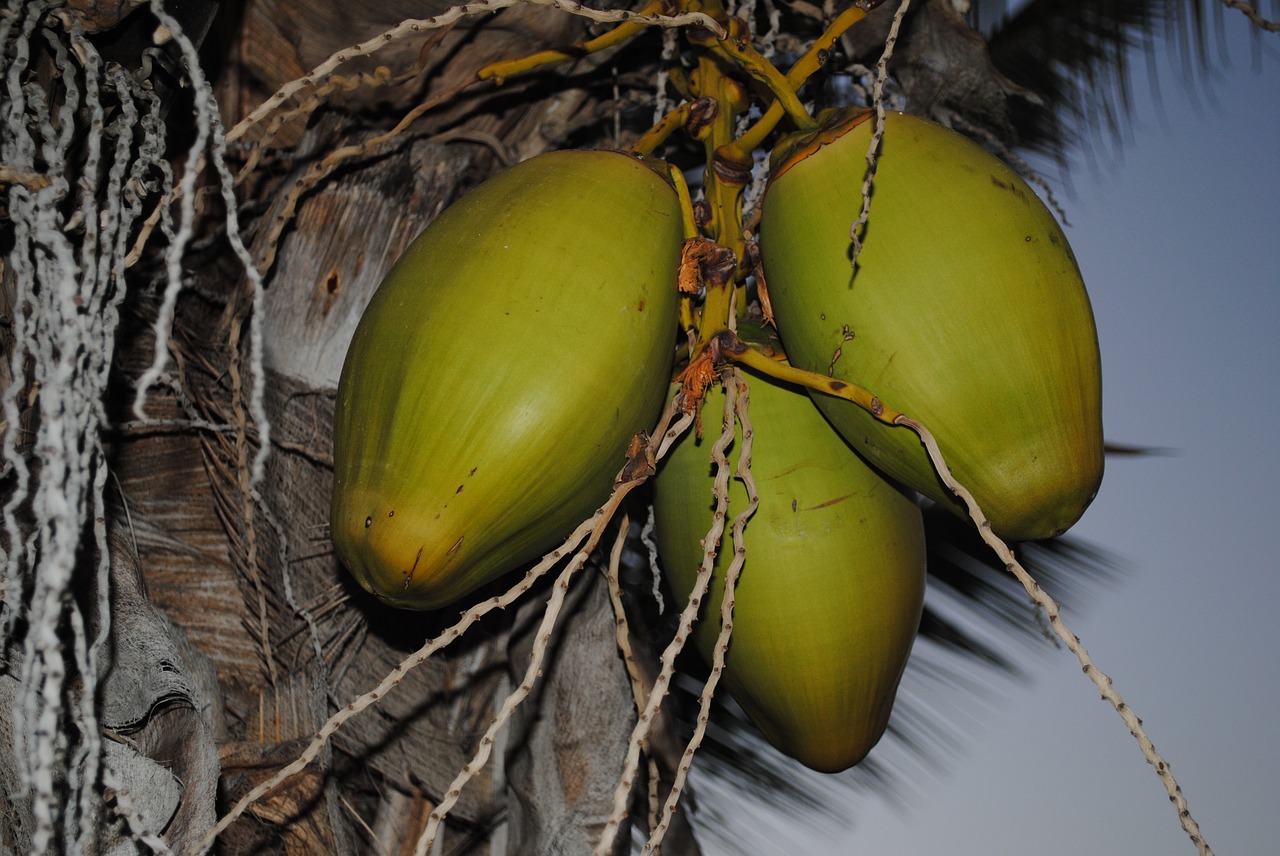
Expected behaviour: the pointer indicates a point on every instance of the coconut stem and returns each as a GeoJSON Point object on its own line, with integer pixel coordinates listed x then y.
{"type": "Point", "coordinates": [724, 186]}
{"type": "Point", "coordinates": [662, 130]}
{"type": "Point", "coordinates": [733, 348]}
{"type": "Point", "coordinates": [738, 51]}
{"type": "Point", "coordinates": [814, 58]}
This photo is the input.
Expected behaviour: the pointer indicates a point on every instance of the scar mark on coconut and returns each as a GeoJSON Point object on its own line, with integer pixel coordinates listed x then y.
{"type": "Point", "coordinates": [409, 576]}
{"type": "Point", "coordinates": [456, 545]}
{"type": "Point", "coordinates": [846, 335]}
{"type": "Point", "coordinates": [830, 502]}
{"type": "Point", "coordinates": [1012, 188]}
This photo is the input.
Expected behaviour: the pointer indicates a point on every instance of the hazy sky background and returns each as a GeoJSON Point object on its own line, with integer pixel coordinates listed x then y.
{"type": "Point", "coordinates": [1177, 231]}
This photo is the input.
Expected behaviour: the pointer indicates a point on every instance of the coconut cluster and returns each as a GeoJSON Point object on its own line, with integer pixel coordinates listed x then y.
{"type": "Point", "coordinates": [502, 369]}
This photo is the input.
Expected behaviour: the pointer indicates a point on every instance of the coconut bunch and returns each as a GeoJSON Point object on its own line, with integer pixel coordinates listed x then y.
{"type": "Point", "coordinates": [493, 394]}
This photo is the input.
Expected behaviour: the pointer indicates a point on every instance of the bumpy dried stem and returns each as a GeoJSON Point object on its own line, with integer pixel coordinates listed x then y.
{"type": "Point", "coordinates": [873, 147]}
{"type": "Point", "coordinates": [644, 724]}
{"type": "Point", "coordinates": [380, 77]}
{"type": "Point", "coordinates": [1072, 641]}
{"type": "Point", "coordinates": [622, 633]}
{"type": "Point", "coordinates": [743, 473]}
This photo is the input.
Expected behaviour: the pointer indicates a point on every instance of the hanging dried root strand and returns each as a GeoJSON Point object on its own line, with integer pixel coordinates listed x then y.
{"type": "Point", "coordinates": [1072, 641]}
{"type": "Point", "coordinates": [251, 470]}
{"type": "Point", "coordinates": [873, 147]}
{"type": "Point", "coordinates": [666, 433]}
{"type": "Point", "coordinates": [651, 547]}
{"type": "Point", "coordinates": [210, 135]}
{"type": "Point", "coordinates": [743, 473]}
{"type": "Point", "coordinates": [177, 244]}
{"type": "Point", "coordinates": [622, 633]}
{"type": "Point", "coordinates": [662, 102]}
{"type": "Point", "coordinates": [75, 173]}
{"type": "Point", "coordinates": [644, 724]}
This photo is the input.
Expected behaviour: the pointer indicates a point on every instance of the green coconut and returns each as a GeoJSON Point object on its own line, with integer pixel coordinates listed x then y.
{"type": "Point", "coordinates": [967, 312]}
{"type": "Point", "coordinates": [830, 595]}
{"type": "Point", "coordinates": [499, 372]}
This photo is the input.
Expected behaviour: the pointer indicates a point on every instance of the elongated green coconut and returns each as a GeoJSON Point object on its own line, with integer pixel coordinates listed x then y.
{"type": "Point", "coordinates": [498, 374]}
{"type": "Point", "coordinates": [829, 599]}
{"type": "Point", "coordinates": [967, 312]}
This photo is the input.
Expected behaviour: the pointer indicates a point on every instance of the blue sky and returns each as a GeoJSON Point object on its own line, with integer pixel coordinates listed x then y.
{"type": "Point", "coordinates": [1177, 232]}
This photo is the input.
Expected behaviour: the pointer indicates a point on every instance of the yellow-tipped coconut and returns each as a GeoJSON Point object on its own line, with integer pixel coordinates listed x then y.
{"type": "Point", "coordinates": [500, 371]}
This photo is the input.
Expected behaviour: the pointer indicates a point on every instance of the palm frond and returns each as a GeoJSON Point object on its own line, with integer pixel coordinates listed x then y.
{"type": "Point", "coordinates": [1076, 56]}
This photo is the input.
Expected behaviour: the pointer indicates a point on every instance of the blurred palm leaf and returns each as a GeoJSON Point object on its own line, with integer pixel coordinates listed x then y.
{"type": "Point", "coordinates": [1076, 56]}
